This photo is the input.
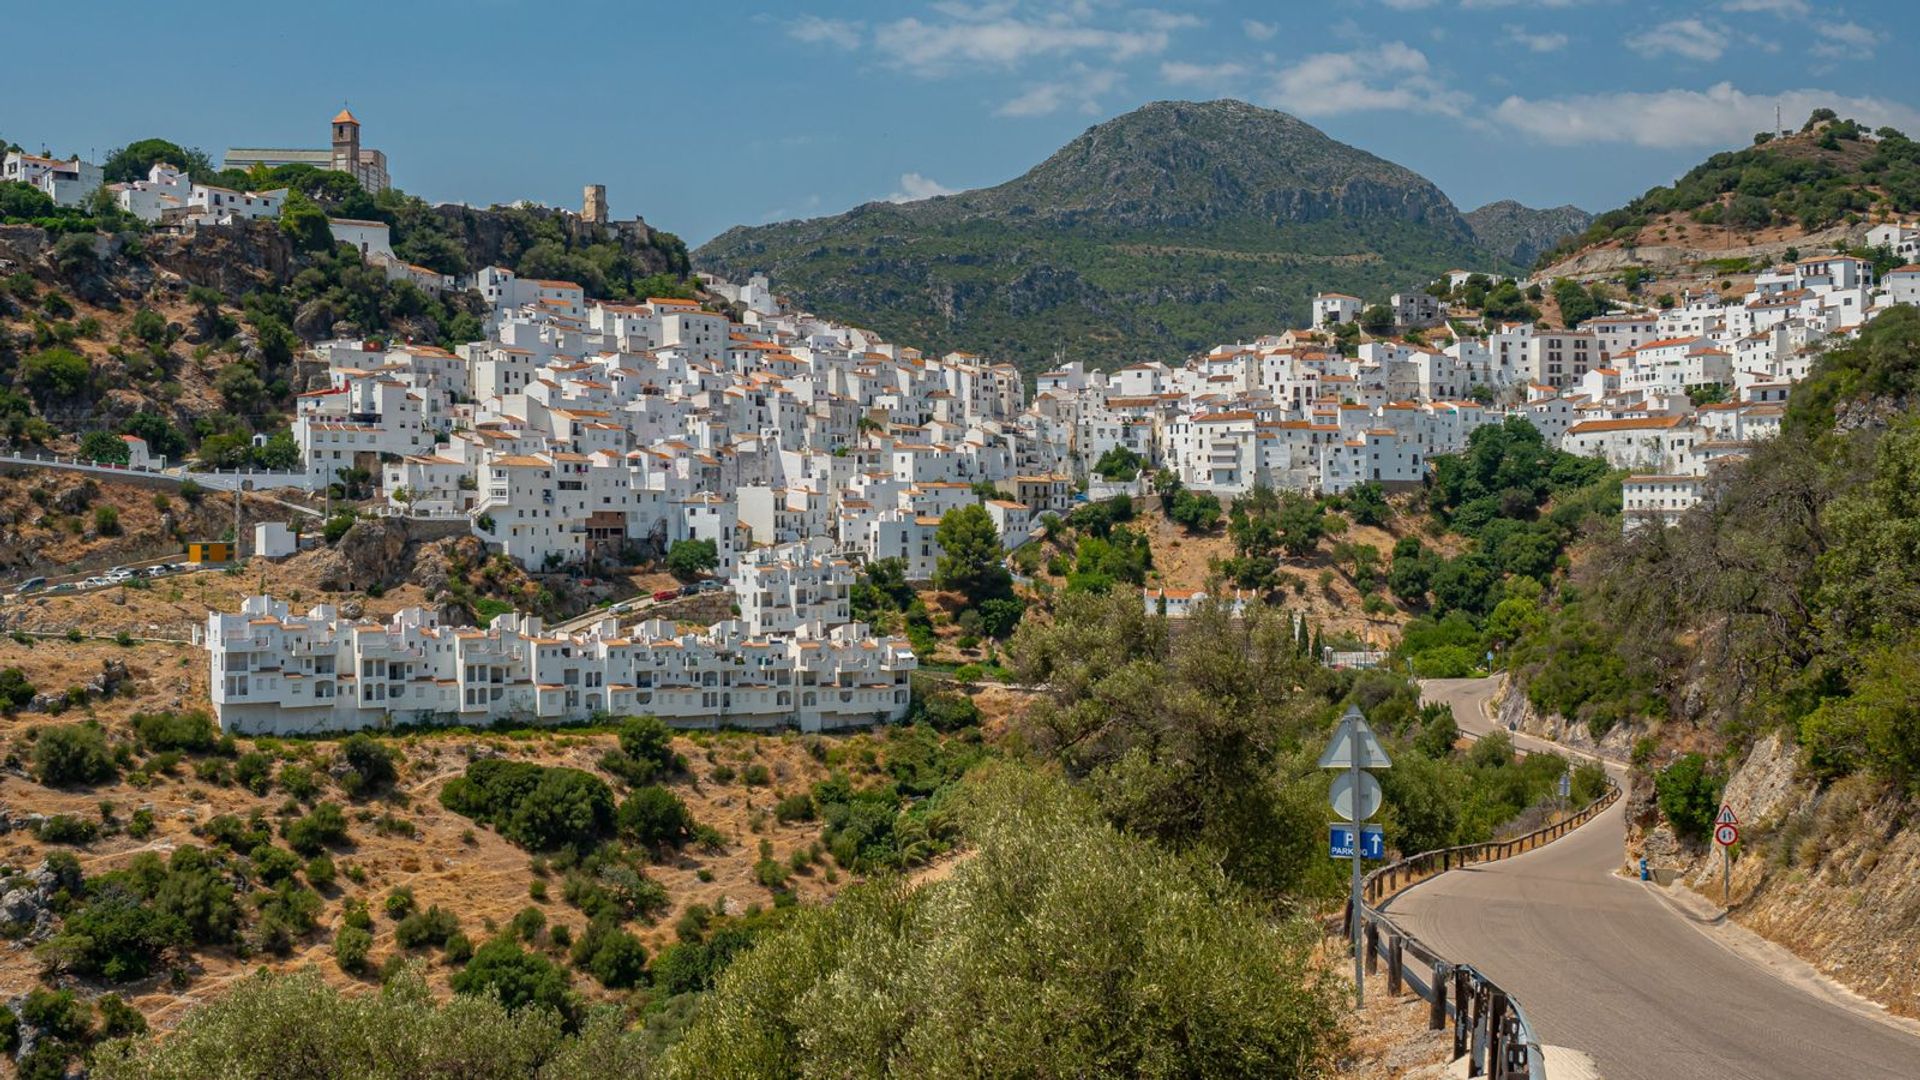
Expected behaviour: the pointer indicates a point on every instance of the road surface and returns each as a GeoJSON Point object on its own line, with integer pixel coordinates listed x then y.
{"type": "Point", "coordinates": [1605, 966]}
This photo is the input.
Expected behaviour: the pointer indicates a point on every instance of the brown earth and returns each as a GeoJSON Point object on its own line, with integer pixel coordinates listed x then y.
{"type": "Point", "coordinates": [1182, 560]}
{"type": "Point", "coordinates": [48, 524]}
{"type": "Point", "coordinates": [446, 859]}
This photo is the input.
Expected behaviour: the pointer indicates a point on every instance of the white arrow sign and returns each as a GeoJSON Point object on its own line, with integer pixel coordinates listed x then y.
{"type": "Point", "coordinates": [1342, 796]}
{"type": "Point", "coordinates": [1353, 732]}
{"type": "Point", "coordinates": [1726, 815]}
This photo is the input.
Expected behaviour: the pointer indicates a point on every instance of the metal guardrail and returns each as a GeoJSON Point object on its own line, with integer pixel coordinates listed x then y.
{"type": "Point", "coordinates": [1489, 1026]}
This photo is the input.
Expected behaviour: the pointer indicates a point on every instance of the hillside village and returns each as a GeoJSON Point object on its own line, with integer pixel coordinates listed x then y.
{"type": "Point", "coordinates": [930, 557]}
{"type": "Point", "coordinates": [582, 433]}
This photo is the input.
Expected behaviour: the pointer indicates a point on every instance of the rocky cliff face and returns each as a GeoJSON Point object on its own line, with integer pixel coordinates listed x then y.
{"type": "Point", "coordinates": [497, 237]}
{"type": "Point", "coordinates": [1832, 873]}
{"type": "Point", "coordinates": [1515, 712]}
{"type": "Point", "coordinates": [1519, 234]}
{"type": "Point", "coordinates": [105, 268]}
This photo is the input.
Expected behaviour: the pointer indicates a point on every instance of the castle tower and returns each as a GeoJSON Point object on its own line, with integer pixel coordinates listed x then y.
{"type": "Point", "coordinates": [346, 144]}
{"type": "Point", "coordinates": [593, 207]}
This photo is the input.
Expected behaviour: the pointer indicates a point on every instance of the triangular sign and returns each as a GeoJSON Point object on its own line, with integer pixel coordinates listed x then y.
{"type": "Point", "coordinates": [1353, 733]}
{"type": "Point", "coordinates": [1726, 815]}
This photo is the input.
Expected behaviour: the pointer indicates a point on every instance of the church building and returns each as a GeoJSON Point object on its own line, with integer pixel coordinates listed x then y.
{"type": "Point", "coordinates": [346, 155]}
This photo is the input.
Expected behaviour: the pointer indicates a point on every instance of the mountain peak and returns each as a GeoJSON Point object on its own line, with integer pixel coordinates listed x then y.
{"type": "Point", "coordinates": [1181, 163]}
{"type": "Point", "coordinates": [1156, 233]}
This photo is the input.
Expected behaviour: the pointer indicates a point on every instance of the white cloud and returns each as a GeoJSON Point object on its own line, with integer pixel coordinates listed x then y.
{"type": "Point", "coordinates": [1259, 31]}
{"type": "Point", "coordinates": [1154, 19]}
{"type": "Point", "coordinates": [1721, 115]}
{"type": "Point", "coordinates": [1181, 73]}
{"type": "Point", "coordinates": [1689, 38]}
{"type": "Point", "coordinates": [1003, 41]}
{"type": "Point", "coordinates": [1847, 40]}
{"type": "Point", "coordinates": [1782, 8]}
{"type": "Point", "coordinates": [1081, 89]}
{"type": "Point", "coordinates": [915, 186]}
{"type": "Point", "coordinates": [1540, 43]}
{"type": "Point", "coordinates": [814, 30]}
{"type": "Point", "coordinates": [1391, 76]}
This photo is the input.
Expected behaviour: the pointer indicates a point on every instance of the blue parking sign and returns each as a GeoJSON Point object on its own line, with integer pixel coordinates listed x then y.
{"type": "Point", "coordinates": [1373, 842]}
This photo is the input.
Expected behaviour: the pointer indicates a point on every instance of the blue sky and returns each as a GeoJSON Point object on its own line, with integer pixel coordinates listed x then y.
{"type": "Point", "coordinates": [699, 121]}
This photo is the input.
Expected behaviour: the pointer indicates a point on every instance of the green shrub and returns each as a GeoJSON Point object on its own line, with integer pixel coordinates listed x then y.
{"type": "Point", "coordinates": [654, 817]}
{"type": "Point", "coordinates": [370, 765]}
{"type": "Point", "coordinates": [433, 926]}
{"type": "Point", "coordinates": [796, 807]}
{"type": "Point", "coordinates": [613, 956]}
{"type": "Point", "coordinates": [1689, 795]}
{"type": "Point", "coordinates": [325, 826]}
{"type": "Point", "coordinates": [15, 691]}
{"type": "Point", "coordinates": [537, 807]}
{"type": "Point", "coordinates": [66, 829]}
{"type": "Point", "coordinates": [516, 977]}
{"type": "Point", "coordinates": [254, 771]}
{"type": "Point", "coordinates": [350, 948]}
{"type": "Point", "coordinates": [118, 1019]}
{"type": "Point", "coordinates": [320, 872]}
{"type": "Point", "coordinates": [71, 755]}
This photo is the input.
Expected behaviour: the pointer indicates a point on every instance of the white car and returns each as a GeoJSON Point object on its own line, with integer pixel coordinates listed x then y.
{"type": "Point", "coordinates": [95, 583]}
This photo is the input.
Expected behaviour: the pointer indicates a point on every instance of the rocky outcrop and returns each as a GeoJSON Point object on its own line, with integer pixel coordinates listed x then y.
{"type": "Point", "coordinates": [1514, 712]}
{"type": "Point", "coordinates": [499, 236]}
{"type": "Point", "coordinates": [1519, 234]}
{"type": "Point", "coordinates": [26, 905]}
{"type": "Point", "coordinates": [235, 259]}
{"type": "Point", "coordinates": [374, 552]}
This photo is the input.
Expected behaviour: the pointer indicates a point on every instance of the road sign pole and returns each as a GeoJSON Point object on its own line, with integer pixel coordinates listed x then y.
{"type": "Point", "coordinates": [1359, 968]}
{"type": "Point", "coordinates": [1726, 833]}
{"type": "Point", "coordinates": [1359, 801]}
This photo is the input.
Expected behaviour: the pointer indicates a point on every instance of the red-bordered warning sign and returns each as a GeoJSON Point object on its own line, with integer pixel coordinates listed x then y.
{"type": "Point", "coordinates": [1726, 835]}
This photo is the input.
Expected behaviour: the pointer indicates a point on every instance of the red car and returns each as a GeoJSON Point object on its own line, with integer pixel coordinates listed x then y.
{"type": "Point", "coordinates": [667, 594]}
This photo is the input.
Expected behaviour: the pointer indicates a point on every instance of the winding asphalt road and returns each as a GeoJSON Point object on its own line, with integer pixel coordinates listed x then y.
{"type": "Point", "coordinates": [1603, 965]}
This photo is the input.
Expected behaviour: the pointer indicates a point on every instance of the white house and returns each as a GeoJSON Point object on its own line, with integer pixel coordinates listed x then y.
{"type": "Point", "coordinates": [277, 673]}
{"type": "Point", "coordinates": [67, 183]}
{"type": "Point", "coordinates": [1332, 309]}
{"type": "Point", "coordinates": [369, 238]}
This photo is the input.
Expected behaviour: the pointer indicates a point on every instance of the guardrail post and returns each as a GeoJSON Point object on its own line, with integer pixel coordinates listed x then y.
{"type": "Point", "coordinates": [1437, 1007]}
{"type": "Point", "coordinates": [1394, 960]}
{"type": "Point", "coordinates": [1373, 949]}
{"type": "Point", "coordinates": [1497, 1035]}
{"type": "Point", "coordinates": [1462, 1010]}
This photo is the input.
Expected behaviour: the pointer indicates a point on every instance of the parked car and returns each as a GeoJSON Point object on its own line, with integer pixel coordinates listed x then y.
{"type": "Point", "coordinates": [32, 583]}
{"type": "Point", "coordinates": [95, 583]}
{"type": "Point", "coordinates": [666, 594]}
